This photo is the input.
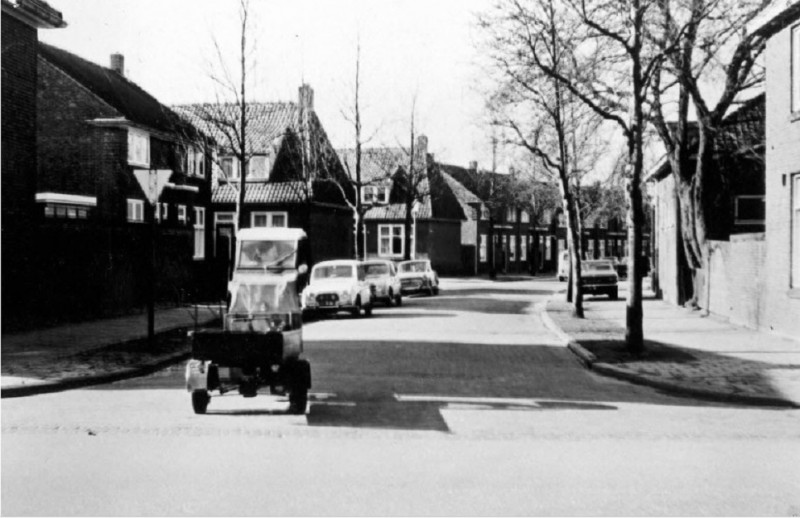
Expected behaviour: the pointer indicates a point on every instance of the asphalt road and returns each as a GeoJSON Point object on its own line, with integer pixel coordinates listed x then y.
{"type": "Point", "coordinates": [459, 404]}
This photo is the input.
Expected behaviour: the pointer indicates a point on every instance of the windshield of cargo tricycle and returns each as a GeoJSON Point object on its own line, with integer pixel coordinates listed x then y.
{"type": "Point", "coordinates": [249, 298]}
{"type": "Point", "coordinates": [257, 255]}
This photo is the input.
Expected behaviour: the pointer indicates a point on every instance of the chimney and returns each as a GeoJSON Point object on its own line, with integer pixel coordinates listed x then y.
{"type": "Point", "coordinates": [118, 64]}
{"type": "Point", "coordinates": [306, 97]}
{"type": "Point", "coordinates": [473, 165]}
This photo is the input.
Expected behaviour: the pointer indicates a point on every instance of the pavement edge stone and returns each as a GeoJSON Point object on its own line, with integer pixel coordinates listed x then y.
{"type": "Point", "coordinates": [589, 360]}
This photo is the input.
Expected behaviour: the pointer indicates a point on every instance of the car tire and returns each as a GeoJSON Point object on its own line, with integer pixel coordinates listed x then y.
{"type": "Point", "coordinates": [561, 278]}
{"type": "Point", "coordinates": [391, 300]}
{"type": "Point", "coordinates": [356, 311]}
{"type": "Point", "coordinates": [613, 294]}
{"type": "Point", "coordinates": [398, 300]}
{"type": "Point", "coordinates": [368, 310]}
{"type": "Point", "coordinates": [436, 290]}
{"type": "Point", "coordinates": [200, 399]}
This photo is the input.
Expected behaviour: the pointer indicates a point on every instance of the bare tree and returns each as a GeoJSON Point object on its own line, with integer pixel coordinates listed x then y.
{"type": "Point", "coordinates": [547, 120]}
{"type": "Point", "coordinates": [701, 40]}
{"type": "Point", "coordinates": [607, 63]}
{"type": "Point", "coordinates": [413, 179]}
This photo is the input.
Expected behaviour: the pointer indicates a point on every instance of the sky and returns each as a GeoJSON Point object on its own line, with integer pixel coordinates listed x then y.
{"type": "Point", "coordinates": [414, 53]}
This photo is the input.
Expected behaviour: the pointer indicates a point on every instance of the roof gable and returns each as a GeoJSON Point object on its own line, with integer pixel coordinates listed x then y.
{"type": "Point", "coordinates": [130, 100]}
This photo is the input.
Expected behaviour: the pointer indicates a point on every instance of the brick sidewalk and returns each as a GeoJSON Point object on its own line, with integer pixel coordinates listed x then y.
{"type": "Point", "coordinates": [685, 352]}
{"type": "Point", "coordinates": [96, 352]}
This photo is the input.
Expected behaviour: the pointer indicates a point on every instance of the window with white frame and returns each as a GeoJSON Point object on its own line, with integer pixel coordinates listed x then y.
{"type": "Point", "coordinates": [547, 249]}
{"type": "Point", "coordinates": [391, 240]}
{"type": "Point", "coordinates": [195, 164]}
{"type": "Point", "coordinates": [523, 248]}
{"type": "Point", "coordinates": [375, 194]}
{"type": "Point", "coordinates": [512, 248]}
{"type": "Point", "coordinates": [795, 69]}
{"type": "Point", "coordinates": [749, 209]}
{"type": "Point", "coordinates": [269, 219]}
{"type": "Point", "coordinates": [182, 213]}
{"type": "Point", "coordinates": [524, 217]}
{"type": "Point", "coordinates": [511, 214]}
{"type": "Point", "coordinates": [136, 211]}
{"type": "Point", "coordinates": [482, 250]}
{"type": "Point", "coordinates": [199, 232]}
{"type": "Point", "coordinates": [138, 147]}
{"type": "Point", "coordinates": [258, 168]}
{"type": "Point", "coordinates": [229, 167]}
{"type": "Point", "coordinates": [796, 231]}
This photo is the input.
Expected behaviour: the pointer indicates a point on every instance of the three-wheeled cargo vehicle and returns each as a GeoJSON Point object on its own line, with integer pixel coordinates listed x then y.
{"type": "Point", "coordinates": [261, 341]}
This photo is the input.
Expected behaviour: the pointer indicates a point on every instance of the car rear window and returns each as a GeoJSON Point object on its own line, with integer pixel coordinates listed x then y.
{"type": "Point", "coordinates": [376, 270]}
{"type": "Point", "coordinates": [342, 271]}
{"type": "Point", "coordinates": [600, 266]}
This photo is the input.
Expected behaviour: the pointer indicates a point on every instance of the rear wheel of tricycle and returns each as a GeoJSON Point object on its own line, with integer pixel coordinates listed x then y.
{"type": "Point", "coordinates": [299, 381]}
{"type": "Point", "coordinates": [200, 399]}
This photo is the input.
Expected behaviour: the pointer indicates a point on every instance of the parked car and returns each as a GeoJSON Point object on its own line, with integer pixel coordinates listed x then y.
{"type": "Point", "coordinates": [563, 265]}
{"type": "Point", "coordinates": [417, 276]}
{"type": "Point", "coordinates": [599, 276]}
{"type": "Point", "coordinates": [335, 286]}
{"type": "Point", "coordinates": [622, 267]}
{"type": "Point", "coordinates": [382, 277]}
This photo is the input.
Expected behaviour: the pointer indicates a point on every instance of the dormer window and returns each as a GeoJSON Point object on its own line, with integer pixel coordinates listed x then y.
{"type": "Point", "coordinates": [258, 168]}
{"type": "Point", "coordinates": [375, 194]}
{"type": "Point", "coordinates": [229, 167]}
{"type": "Point", "coordinates": [194, 162]}
{"type": "Point", "coordinates": [138, 148]}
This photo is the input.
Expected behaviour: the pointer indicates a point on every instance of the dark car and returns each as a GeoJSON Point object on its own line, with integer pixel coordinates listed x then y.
{"type": "Point", "coordinates": [599, 277]}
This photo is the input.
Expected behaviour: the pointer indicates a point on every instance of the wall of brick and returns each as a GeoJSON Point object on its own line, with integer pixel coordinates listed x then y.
{"type": "Point", "coordinates": [19, 119]}
{"type": "Point", "coordinates": [736, 279]}
{"type": "Point", "coordinates": [18, 167]}
{"type": "Point", "coordinates": [781, 305]}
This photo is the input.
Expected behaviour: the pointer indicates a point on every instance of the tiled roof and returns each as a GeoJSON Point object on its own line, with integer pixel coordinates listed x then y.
{"type": "Point", "coordinates": [744, 128]}
{"type": "Point", "coordinates": [267, 123]}
{"type": "Point", "coordinates": [130, 100]}
{"type": "Point", "coordinates": [462, 194]}
{"type": "Point", "coordinates": [377, 164]}
{"type": "Point", "coordinates": [261, 192]}
{"type": "Point", "coordinates": [397, 211]}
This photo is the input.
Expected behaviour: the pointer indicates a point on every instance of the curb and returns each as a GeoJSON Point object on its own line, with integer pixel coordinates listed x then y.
{"type": "Point", "coordinates": [589, 360]}
{"type": "Point", "coordinates": [96, 379]}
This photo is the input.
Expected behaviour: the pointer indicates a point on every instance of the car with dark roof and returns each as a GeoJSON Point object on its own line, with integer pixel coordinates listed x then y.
{"type": "Point", "coordinates": [599, 276]}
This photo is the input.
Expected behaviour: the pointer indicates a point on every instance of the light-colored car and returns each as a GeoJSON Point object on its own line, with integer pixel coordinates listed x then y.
{"type": "Point", "coordinates": [382, 277]}
{"type": "Point", "coordinates": [417, 276]}
{"type": "Point", "coordinates": [335, 286]}
{"type": "Point", "coordinates": [599, 277]}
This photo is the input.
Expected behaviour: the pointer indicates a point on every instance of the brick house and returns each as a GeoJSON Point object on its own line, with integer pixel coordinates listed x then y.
{"type": "Point", "coordinates": [518, 243]}
{"type": "Point", "coordinates": [779, 276]}
{"type": "Point", "coordinates": [739, 156]}
{"type": "Point", "coordinates": [444, 226]}
{"type": "Point", "coordinates": [293, 178]}
{"type": "Point", "coordinates": [96, 129]}
{"type": "Point", "coordinates": [21, 20]}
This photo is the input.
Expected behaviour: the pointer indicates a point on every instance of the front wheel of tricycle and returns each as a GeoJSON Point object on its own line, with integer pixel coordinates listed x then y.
{"type": "Point", "coordinates": [200, 399]}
